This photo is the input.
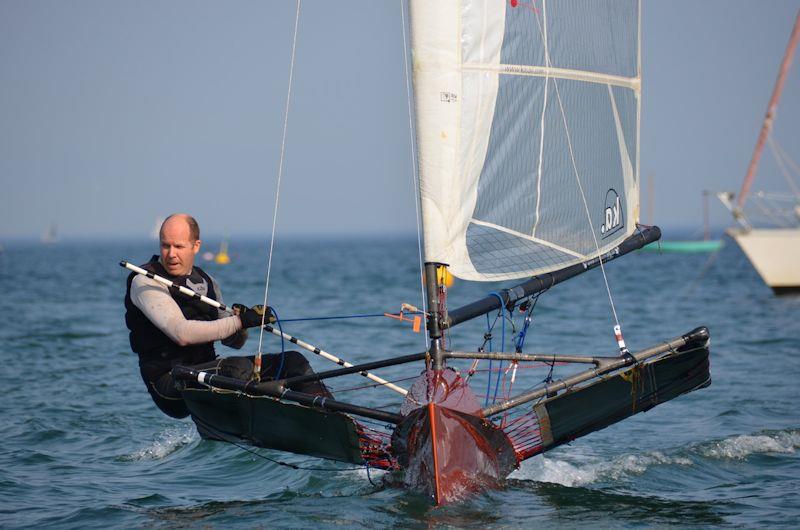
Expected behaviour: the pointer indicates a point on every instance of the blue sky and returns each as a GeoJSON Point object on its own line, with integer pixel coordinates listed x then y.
{"type": "Point", "coordinates": [116, 113]}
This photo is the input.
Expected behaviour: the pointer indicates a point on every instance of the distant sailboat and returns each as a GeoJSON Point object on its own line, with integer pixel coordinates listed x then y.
{"type": "Point", "coordinates": [51, 236]}
{"type": "Point", "coordinates": [689, 246]}
{"type": "Point", "coordinates": [774, 251]}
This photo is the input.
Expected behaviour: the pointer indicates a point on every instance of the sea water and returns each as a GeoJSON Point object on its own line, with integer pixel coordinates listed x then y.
{"type": "Point", "coordinates": [83, 446]}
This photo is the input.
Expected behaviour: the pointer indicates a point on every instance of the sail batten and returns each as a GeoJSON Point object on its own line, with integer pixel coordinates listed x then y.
{"type": "Point", "coordinates": [558, 73]}
{"type": "Point", "coordinates": [529, 238]}
{"type": "Point", "coordinates": [528, 129]}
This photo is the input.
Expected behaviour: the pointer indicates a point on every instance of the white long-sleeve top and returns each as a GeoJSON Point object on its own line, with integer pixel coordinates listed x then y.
{"type": "Point", "coordinates": [155, 301]}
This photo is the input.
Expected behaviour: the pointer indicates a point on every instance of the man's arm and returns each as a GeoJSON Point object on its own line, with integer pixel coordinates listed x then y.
{"type": "Point", "coordinates": [158, 306]}
{"type": "Point", "coordinates": [237, 339]}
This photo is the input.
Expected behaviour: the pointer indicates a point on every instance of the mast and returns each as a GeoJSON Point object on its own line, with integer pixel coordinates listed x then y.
{"type": "Point", "coordinates": [650, 193]}
{"type": "Point", "coordinates": [769, 118]}
{"type": "Point", "coordinates": [436, 349]}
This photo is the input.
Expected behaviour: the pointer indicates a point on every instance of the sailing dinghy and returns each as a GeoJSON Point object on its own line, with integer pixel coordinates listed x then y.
{"type": "Point", "coordinates": [527, 128]}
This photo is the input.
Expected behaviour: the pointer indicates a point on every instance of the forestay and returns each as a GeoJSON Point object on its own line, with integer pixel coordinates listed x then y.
{"type": "Point", "coordinates": [528, 131]}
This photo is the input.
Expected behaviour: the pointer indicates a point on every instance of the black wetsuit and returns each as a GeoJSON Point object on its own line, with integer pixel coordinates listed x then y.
{"type": "Point", "coordinates": [158, 354]}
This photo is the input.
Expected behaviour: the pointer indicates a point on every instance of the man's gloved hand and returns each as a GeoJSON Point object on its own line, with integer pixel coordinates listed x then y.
{"type": "Point", "coordinates": [251, 317]}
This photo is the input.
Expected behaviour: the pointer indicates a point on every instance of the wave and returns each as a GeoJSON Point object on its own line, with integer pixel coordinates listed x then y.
{"type": "Point", "coordinates": [165, 443]}
{"type": "Point", "coordinates": [742, 446]}
{"type": "Point", "coordinates": [573, 474]}
{"type": "Point", "coordinates": [569, 474]}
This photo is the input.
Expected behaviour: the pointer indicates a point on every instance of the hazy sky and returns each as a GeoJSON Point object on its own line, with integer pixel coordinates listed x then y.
{"type": "Point", "coordinates": [113, 113]}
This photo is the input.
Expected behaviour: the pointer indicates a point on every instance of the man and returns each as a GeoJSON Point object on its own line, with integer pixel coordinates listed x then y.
{"type": "Point", "coordinates": [169, 329]}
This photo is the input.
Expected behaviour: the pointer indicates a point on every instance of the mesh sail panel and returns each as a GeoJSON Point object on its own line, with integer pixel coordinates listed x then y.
{"type": "Point", "coordinates": [527, 131]}
{"type": "Point", "coordinates": [586, 35]}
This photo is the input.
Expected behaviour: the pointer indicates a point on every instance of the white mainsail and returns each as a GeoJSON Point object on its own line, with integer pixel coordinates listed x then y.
{"type": "Point", "coordinates": [527, 131]}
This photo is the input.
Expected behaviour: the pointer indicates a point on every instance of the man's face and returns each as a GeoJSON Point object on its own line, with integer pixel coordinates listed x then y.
{"type": "Point", "coordinates": [177, 248]}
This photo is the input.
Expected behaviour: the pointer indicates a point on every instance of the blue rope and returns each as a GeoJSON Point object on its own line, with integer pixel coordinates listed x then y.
{"type": "Point", "coordinates": [503, 338]}
{"type": "Point", "coordinates": [521, 335]}
{"type": "Point", "coordinates": [503, 342]}
{"type": "Point", "coordinates": [334, 318]}
{"type": "Point", "coordinates": [528, 319]}
{"type": "Point", "coordinates": [497, 295]}
{"type": "Point", "coordinates": [283, 345]}
{"type": "Point", "coordinates": [524, 331]}
{"type": "Point", "coordinates": [489, 378]}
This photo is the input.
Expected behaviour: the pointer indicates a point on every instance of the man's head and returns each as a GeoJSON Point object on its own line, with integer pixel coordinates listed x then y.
{"type": "Point", "coordinates": [180, 241]}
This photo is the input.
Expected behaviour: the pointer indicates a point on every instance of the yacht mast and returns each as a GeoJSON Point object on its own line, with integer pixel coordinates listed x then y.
{"type": "Point", "coordinates": [770, 116]}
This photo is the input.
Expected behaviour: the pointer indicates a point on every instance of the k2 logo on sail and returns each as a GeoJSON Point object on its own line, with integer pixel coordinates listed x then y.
{"type": "Point", "coordinates": [613, 216]}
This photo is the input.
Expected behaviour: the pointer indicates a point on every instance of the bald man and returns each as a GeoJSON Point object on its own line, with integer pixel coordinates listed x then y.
{"type": "Point", "coordinates": [170, 329]}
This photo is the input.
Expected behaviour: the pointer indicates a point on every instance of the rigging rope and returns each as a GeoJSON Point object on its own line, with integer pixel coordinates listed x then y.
{"type": "Point", "coordinates": [414, 169]}
{"type": "Point", "coordinates": [257, 360]}
{"type": "Point", "coordinates": [783, 160]}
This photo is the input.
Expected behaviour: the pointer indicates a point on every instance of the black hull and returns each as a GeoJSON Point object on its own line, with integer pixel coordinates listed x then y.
{"type": "Point", "coordinates": [590, 408]}
{"type": "Point", "coordinates": [786, 290]}
{"type": "Point", "coordinates": [267, 422]}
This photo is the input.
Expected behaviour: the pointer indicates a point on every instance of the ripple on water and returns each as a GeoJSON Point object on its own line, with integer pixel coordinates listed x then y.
{"type": "Point", "coordinates": [575, 506]}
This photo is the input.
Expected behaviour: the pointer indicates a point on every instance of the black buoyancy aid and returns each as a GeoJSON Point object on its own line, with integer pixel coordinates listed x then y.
{"type": "Point", "coordinates": [152, 345]}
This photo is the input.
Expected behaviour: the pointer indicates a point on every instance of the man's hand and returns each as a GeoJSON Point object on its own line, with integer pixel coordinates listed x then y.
{"type": "Point", "coordinates": [252, 317]}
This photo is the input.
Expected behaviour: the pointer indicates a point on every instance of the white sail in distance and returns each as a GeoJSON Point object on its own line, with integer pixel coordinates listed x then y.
{"type": "Point", "coordinates": [527, 122]}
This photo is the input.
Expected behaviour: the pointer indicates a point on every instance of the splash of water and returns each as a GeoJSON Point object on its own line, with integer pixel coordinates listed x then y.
{"type": "Point", "coordinates": [164, 444]}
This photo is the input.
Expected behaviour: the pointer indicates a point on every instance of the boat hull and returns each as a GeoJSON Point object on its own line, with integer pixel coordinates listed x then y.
{"type": "Point", "coordinates": [267, 422]}
{"type": "Point", "coordinates": [447, 451]}
{"type": "Point", "coordinates": [611, 399]}
{"type": "Point", "coordinates": [774, 253]}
